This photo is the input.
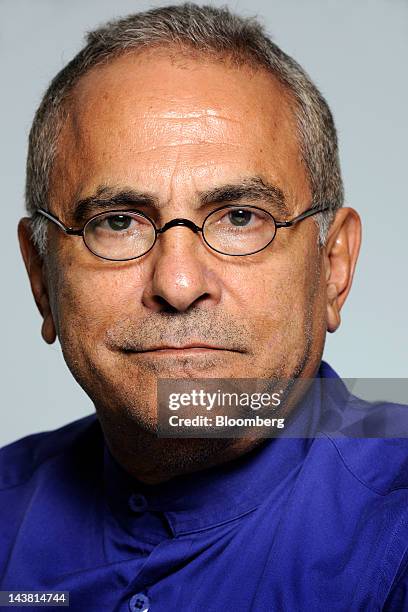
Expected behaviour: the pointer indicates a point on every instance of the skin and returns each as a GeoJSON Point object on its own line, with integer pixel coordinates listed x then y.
{"type": "Point", "coordinates": [174, 127]}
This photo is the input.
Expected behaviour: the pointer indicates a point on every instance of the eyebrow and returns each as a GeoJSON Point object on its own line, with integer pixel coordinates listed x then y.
{"type": "Point", "coordinates": [103, 199]}
{"type": "Point", "coordinates": [253, 189]}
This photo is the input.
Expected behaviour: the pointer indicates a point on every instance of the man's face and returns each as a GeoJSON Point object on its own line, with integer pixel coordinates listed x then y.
{"type": "Point", "coordinates": [173, 130]}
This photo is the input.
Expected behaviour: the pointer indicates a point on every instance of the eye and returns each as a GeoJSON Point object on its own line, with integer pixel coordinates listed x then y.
{"type": "Point", "coordinates": [240, 217]}
{"type": "Point", "coordinates": [119, 223]}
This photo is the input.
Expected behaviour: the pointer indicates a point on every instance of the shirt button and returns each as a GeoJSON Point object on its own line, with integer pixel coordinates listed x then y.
{"type": "Point", "coordinates": [137, 503]}
{"type": "Point", "coordinates": [139, 603]}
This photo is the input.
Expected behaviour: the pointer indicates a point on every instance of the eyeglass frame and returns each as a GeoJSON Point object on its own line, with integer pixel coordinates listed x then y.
{"type": "Point", "coordinates": [178, 222]}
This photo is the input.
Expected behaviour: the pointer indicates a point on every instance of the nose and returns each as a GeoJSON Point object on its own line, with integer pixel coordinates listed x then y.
{"type": "Point", "coordinates": [181, 275]}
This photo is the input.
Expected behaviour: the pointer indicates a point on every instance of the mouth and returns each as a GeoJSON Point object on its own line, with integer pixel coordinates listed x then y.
{"type": "Point", "coordinates": [186, 349]}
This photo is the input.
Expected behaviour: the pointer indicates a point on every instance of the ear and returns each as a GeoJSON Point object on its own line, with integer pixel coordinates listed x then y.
{"type": "Point", "coordinates": [341, 253]}
{"type": "Point", "coordinates": [35, 267]}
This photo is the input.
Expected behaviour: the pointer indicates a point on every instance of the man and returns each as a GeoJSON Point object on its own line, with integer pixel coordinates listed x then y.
{"type": "Point", "coordinates": [163, 119]}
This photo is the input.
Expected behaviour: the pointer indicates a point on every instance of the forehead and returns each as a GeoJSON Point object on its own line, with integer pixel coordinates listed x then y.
{"type": "Point", "coordinates": [157, 122]}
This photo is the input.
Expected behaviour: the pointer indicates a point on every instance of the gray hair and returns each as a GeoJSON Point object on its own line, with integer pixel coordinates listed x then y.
{"type": "Point", "coordinates": [205, 30]}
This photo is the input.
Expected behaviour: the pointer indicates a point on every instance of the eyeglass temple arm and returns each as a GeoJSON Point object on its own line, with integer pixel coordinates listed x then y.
{"type": "Point", "coordinates": [304, 215]}
{"type": "Point", "coordinates": [67, 230]}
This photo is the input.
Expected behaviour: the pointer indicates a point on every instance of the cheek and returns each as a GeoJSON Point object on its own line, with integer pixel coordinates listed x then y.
{"type": "Point", "coordinates": [282, 289]}
{"type": "Point", "coordinates": [89, 300]}
{"type": "Point", "coordinates": [284, 302]}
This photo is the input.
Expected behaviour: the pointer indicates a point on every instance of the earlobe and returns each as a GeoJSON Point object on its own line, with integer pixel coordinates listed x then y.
{"type": "Point", "coordinates": [333, 310]}
{"type": "Point", "coordinates": [35, 269]}
{"type": "Point", "coordinates": [342, 249]}
{"type": "Point", "coordinates": [48, 329]}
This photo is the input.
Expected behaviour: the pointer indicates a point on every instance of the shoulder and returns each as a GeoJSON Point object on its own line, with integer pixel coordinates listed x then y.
{"type": "Point", "coordinates": [369, 438]}
{"type": "Point", "coordinates": [358, 490]}
{"type": "Point", "coordinates": [21, 459]}
{"type": "Point", "coordinates": [380, 464]}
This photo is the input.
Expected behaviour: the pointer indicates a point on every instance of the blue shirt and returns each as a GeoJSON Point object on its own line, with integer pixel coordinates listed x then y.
{"type": "Point", "coordinates": [312, 524]}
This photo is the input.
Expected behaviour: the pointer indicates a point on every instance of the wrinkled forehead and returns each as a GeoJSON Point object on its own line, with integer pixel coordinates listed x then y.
{"type": "Point", "coordinates": [153, 81]}
{"type": "Point", "coordinates": [147, 118]}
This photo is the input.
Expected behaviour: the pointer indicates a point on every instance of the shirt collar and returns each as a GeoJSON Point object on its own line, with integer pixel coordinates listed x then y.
{"type": "Point", "coordinates": [204, 499]}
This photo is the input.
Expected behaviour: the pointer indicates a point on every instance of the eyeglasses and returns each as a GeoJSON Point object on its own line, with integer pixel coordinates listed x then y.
{"type": "Point", "coordinates": [122, 235]}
